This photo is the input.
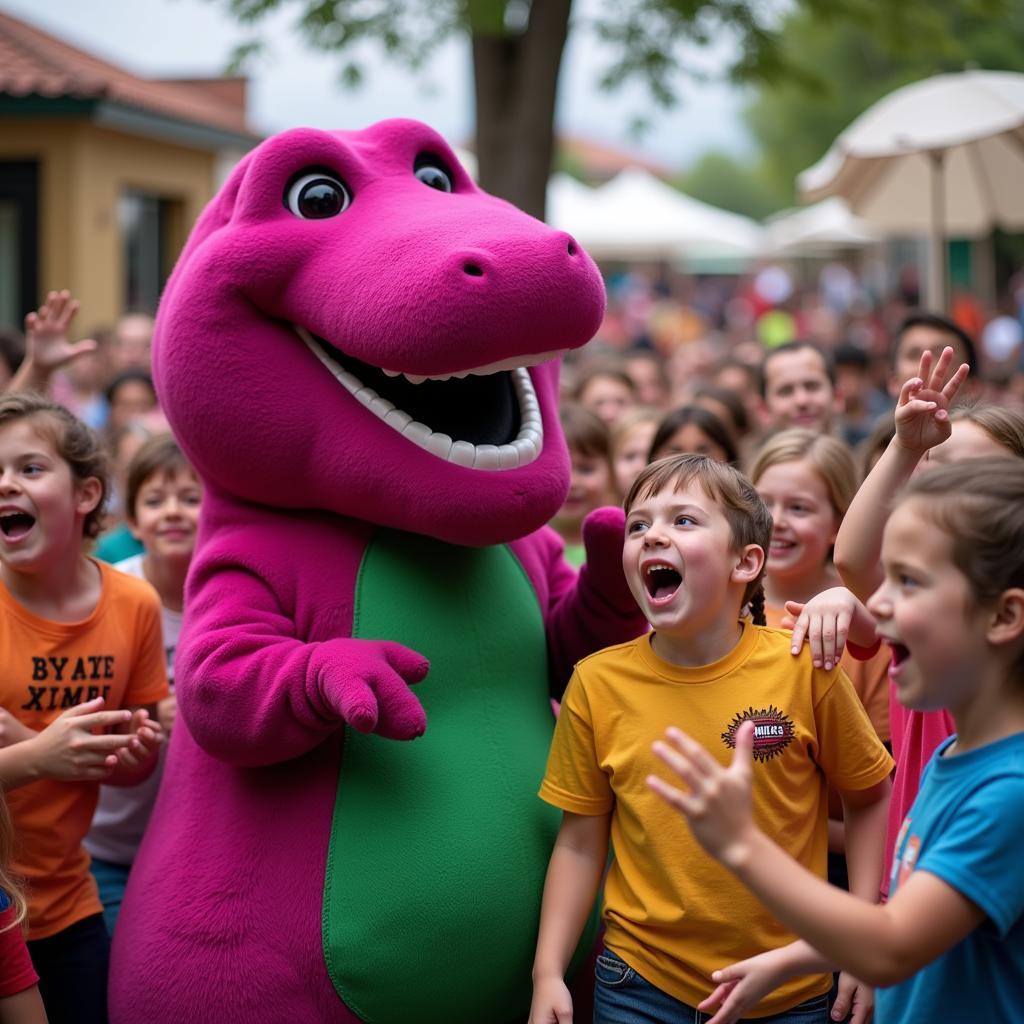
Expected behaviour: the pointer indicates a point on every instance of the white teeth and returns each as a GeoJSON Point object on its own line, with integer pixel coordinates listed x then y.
{"type": "Point", "coordinates": [652, 568]}
{"type": "Point", "coordinates": [396, 418]}
{"type": "Point", "coordinates": [463, 453]}
{"type": "Point", "coordinates": [439, 444]}
{"type": "Point", "coordinates": [418, 432]}
{"type": "Point", "coordinates": [487, 457]}
{"type": "Point", "coordinates": [526, 448]}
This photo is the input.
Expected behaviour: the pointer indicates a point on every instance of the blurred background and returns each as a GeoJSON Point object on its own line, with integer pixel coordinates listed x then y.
{"type": "Point", "coordinates": [667, 135]}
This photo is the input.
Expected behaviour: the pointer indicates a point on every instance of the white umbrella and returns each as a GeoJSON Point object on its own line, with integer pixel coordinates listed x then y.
{"type": "Point", "coordinates": [638, 216]}
{"type": "Point", "coordinates": [944, 156]}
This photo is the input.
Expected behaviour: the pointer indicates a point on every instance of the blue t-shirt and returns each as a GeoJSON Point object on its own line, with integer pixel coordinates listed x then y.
{"type": "Point", "coordinates": [967, 828]}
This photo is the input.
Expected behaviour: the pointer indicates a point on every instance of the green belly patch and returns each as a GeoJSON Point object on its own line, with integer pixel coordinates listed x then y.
{"type": "Point", "coordinates": [439, 846]}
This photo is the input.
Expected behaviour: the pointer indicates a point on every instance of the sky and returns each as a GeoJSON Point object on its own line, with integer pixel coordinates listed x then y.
{"type": "Point", "coordinates": [293, 86]}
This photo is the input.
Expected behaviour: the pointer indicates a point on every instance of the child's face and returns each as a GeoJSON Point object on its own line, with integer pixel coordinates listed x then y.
{"type": "Point", "coordinates": [680, 562]}
{"type": "Point", "coordinates": [631, 455]}
{"type": "Point", "coordinates": [166, 514]}
{"type": "Point", "coordinates": [132, 400]}
{"type": "Point", "coordinates": [589, 487]}
{"type": "Point", "coordinates": [42, 506]}
{"type": "Point", "coordinates": [805, 521]}
{"type": "Point", "coordinates": [924, 612]}
{"type": "Point", "coordinates": [608, 398]}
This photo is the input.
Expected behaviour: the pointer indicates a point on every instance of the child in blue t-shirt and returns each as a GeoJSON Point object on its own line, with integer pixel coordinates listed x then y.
{"type": "Point", "coordinates": [949, 944]}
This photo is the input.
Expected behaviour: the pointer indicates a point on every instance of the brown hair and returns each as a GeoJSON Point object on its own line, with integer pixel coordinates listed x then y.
{"type": "Point", "coordinates": [704, 420]}
{"type": "Point", "coordinates": [159, 454]}
{"type": "Point", "coordinates": [585, 431]}
{"type": "Point", "coordinates": [613, 370]}
{"type": "Point", "coordinates": [75, 443]}
{"type": "Point", "coordinates": [749, 520]}
{"type": "Point", "coordinates": [7, 883]}
{"type": "Point", "coordinates": [1004, 426]}
{"type": "Point", "coordinates": [980, 504]}
{"type": "Point", "coordinates": [830, 458]}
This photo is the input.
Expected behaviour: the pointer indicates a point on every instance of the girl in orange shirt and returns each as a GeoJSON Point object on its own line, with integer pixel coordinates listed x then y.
{"type": "Point", "coordinates": [74, 635]}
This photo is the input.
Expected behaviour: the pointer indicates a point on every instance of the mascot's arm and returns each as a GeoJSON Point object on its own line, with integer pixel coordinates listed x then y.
{"type": "Point", "coordinates": [593, 609]}
{"type": "Point", "coordinates": [252, 693]}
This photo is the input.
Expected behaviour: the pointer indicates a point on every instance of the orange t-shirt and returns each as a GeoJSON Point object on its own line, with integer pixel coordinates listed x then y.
{"type": "Point", "coordinates": [870, 678]}
{"type": "Point", "coordinates": [117, 653]}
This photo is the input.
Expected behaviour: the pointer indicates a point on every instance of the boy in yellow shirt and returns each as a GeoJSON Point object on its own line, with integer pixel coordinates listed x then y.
{"type": "Point", "coordinates": [696, 534]}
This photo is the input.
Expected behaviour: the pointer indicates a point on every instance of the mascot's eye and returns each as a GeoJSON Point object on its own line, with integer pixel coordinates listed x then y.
{"type": "Point", "coordinates": [434, 176]}
{"type": "Point", "coordinates": [316, 196]}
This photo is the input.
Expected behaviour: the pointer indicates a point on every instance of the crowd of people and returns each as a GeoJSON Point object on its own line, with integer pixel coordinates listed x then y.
{"type": "Point", "coordinates": [824, 526]}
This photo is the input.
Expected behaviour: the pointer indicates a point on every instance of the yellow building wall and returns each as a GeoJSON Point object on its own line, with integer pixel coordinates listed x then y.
{"type": "Point", "coordinates": [83, 171]}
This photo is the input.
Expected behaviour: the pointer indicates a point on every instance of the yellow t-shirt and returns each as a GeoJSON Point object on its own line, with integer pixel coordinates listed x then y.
{"type": "Point", "coordinates": [47, 667]}
{"type": "Point", "coordinates": [672, 912]}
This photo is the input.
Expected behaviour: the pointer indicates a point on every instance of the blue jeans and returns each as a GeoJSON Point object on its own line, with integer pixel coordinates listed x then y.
{"type": "Point", "coordinates": [621, 996]}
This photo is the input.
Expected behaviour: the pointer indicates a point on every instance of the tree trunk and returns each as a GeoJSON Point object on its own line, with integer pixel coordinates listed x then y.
{"type": "Point", "coordinates": [516, 80]}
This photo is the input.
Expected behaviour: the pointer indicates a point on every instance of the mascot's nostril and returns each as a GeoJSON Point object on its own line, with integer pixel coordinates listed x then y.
{"type": "Point", "coordinates": [571, 248]}
{"type": "Point", "coordinates": [472, 269]}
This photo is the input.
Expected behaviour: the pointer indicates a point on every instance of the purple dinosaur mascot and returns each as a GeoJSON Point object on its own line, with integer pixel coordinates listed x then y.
{"type": "Point", "coordinates": [358, 350]}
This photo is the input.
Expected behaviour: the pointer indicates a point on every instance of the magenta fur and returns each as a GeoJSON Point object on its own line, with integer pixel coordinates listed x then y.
{"type": "Point", "coordinates": [222, 918]}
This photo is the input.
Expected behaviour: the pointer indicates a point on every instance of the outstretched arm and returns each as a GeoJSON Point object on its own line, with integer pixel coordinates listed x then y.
{"type": "Point", "coordinates": [922, 422]}
{"type": "Point", "coordinates": [830, 621]}
{"type": "Point", "coordinates": [881, 944]}
{"type": "Point", "coordinates": [252, 693]}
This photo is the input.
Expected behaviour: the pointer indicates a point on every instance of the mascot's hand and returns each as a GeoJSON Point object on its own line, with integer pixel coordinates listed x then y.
{"type": "Point", "coordinates": [367, 682]}
{"type": "Point", "coordinates": [603, 532]}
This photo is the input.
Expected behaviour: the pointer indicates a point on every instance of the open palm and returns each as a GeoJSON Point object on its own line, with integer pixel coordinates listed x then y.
{"type": "Point", "coordinates": [46, 333]}
{"type": "Point", "coordinates": [922, 412]}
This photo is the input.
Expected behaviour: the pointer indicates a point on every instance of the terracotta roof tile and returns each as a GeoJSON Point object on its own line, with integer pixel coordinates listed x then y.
{"type": "Point", "coordinates": [35, 63]}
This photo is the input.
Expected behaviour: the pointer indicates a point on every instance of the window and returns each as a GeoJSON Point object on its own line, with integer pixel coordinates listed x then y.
{"type": "Point", "coordinates": [144, 221]}
{"type": "Point", "coordinates": [19, 245]}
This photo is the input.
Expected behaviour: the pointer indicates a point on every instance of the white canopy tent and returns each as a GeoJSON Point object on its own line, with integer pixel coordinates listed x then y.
{"type": "Point", "coordinates": [636, 216]}
{"type": "Point", "coordinates": [823, 229]}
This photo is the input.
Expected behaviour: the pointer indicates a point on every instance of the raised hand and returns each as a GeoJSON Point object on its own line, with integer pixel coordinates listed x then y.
{"type": "Point", "coordinates": [922, 411]}
{"type": "Point", "coordinates": [719, 803]}
{"type": "Point", "coordinates": [603, 533]}
{"type": "Point", "coordinates": [46, 334]}
{"type": "Point", "coordinates": [369, 689]}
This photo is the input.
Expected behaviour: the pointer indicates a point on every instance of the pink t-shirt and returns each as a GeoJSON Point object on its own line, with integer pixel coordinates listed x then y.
{"type": "Point", "coordinates": [915, 736]}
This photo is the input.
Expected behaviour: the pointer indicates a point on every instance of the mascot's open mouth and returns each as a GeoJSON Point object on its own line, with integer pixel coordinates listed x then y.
{"type": "Point", "coordinates": [483, 418]}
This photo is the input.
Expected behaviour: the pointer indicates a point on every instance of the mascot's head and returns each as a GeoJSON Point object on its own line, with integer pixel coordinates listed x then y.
{"type": "Point", "coordinates": [355, 327]}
